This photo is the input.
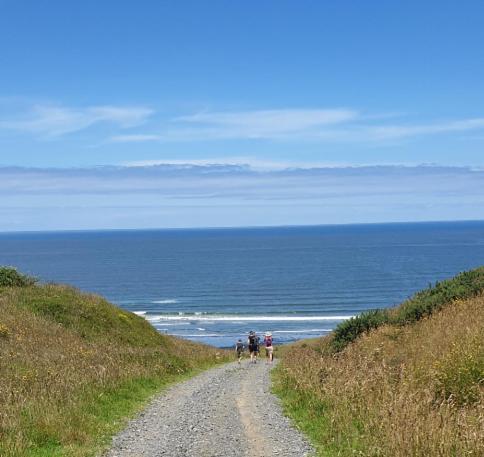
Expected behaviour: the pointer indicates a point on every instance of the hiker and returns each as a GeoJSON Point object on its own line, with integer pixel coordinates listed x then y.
{"type": "Point", "coordinates": [269, 347]}
{"type": "Point", "coordinates": [253, 343]}
{"type": "Point", "coordinates": [239, 350]}
{"type": "Point", "coordinates": [257, 346]}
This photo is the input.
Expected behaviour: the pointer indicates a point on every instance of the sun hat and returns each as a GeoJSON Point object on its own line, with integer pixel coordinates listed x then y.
{"type": "Point", "coordinates": [267, 334]}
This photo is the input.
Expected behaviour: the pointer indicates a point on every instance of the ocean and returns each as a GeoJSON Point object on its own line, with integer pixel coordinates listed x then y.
{"type": "Point", "coordinates": [215, 285]}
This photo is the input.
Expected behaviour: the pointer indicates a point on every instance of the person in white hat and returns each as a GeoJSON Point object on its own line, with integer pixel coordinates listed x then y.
{"type": "Point", "coordinates": [269, 347]}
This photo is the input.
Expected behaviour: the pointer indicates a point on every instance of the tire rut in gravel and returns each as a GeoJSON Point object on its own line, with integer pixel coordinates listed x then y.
{"type": "Point", "coordinates": [225, 411]}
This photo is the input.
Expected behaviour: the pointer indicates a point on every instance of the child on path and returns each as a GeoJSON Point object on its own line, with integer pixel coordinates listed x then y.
{"type": "Point", "coordinates": [269, 347]}
{"type": "Point", "coordinates": [239, 350]}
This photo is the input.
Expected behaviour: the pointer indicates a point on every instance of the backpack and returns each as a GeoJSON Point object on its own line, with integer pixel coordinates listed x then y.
{"type": "Point", "coordinates": [268, 341]}
{"type": "Point", "coordinates": [257, 342]}
{"type": "Point", "coordinates": [239, 347]}
{"type": "Point", "coordinates": [252, 340]}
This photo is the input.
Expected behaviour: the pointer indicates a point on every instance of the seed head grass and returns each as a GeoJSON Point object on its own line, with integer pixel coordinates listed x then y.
{"type": "Point", "coordinates": [73, 367]}
{"type": "Point", "coordinates": [397, 390]}
{"type": "Point", "coordinates": [465, 285]}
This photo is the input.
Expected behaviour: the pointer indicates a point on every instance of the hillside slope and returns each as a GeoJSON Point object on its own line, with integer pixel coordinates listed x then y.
{"type": "Point", "coordinates": [72, 366]}
{"type": "Point", "coordinates": [399, 389]}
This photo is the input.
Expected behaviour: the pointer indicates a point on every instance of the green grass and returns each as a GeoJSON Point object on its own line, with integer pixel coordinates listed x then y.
{"type": "Point", "coordinates": [102, 414]}
{"type": "Point", "coordinates": [422, 304]}
{"type": "Point", "coordinates": [73, 367]}
{"type": "Point", "coordinates": [312, 416]}
{"type": "Point", "coordinates": [90, 316]}
{"type": "Point", "coordinates": [406, 381]}
{"type": "Point", "coordinates": [312, 420]}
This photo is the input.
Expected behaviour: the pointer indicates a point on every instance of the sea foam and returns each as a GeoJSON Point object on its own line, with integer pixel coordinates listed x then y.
{"type": "Point", "coordinates": [303, 330]}
{"type": "Point", "coordinates": [184, 317]}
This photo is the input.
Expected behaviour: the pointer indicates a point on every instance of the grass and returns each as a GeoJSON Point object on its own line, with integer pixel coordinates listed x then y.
{"type": "Point", "coordinates": [402, 388]}
{"type": "Point", "coordinates": [422, 304]}
{"type": "Point", "coordinates": [74, 367]}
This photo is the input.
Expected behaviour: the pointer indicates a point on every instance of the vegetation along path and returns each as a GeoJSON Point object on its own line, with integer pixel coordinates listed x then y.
{"type": "Point", "coordinates": [225, 411]}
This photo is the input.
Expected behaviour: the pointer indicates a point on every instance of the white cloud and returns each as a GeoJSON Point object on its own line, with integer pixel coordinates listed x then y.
{"type": "Point", "coordinates": [403, 131]}
{"type": "Point", "coordinates": [257, 124]}
{"type": "Point", "coordinates": [338, 125]}
{"type": "Point", "coordinates": [135, 138]}
{"type": "Point", "coordinates": [222, 194]}
{"type": "Point", "coordinates": [270, 123]}
{"type": "Point", "coordinates": [249, 162]}
{"type": "Point", "coordinates": [54, 120]}
{"type": "Point", "coordinates": [201, 179]}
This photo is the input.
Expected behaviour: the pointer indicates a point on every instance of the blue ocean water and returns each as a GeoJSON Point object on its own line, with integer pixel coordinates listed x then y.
{"type": "Point", "coordinates": [214, 285]}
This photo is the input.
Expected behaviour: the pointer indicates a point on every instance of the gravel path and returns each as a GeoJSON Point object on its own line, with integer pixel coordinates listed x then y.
{"type": "Point", "coordinates": [226, 411]}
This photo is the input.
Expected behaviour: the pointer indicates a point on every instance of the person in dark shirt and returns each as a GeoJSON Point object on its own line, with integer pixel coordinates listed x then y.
{"type": "Point", "coordinates": [253, 342]}
{"type": "Point", "coordinates": [239, 350]}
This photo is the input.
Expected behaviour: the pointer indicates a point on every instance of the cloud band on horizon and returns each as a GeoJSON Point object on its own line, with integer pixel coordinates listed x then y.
{"type": "Point", "coordinates": [188, 195]}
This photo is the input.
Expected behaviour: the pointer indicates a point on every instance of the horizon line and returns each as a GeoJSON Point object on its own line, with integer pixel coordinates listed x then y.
{"type": "Point", "coordinates": [241, 227]}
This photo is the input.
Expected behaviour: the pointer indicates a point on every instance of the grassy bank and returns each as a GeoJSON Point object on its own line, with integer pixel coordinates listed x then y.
{"type": "Point", "coordinates": [73, 367]}
{"type": "Point", "coordinates": [400, 387]}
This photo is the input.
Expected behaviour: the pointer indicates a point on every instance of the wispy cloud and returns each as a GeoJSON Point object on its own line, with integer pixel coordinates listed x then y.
{"type": "Point", "coordinates": [269, 123]}
{"type": "Point", "coordinates": [403, 131]}
{"type": "Point", "coordinates": [330, 125]}
{"type": "Point", "coordinates": [257, 124]}
{"type": "Point", "coordinates": [339, 125]}
{"type": "Point", "coordinates": [56, 120]}
{"type": "Point", "coordinates": [135, 138]}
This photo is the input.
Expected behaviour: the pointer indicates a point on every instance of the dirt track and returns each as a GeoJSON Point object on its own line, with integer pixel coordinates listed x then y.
{"type": "Point", "coordinates": [227, 411]}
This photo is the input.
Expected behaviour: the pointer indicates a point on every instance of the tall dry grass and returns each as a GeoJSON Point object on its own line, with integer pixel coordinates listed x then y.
{"type": "Point", "coordinates": [414, 390]}
{"type": "Point", "coordinates": [71, 365]}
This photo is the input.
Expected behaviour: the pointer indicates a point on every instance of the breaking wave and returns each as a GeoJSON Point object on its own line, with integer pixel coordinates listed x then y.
{"type": "Point", "coordinates": [198, 317]}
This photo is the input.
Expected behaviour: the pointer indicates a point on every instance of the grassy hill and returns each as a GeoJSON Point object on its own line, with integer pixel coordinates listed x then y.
{"type": "Point", "coordinates": [404, 382]}
{"type": "Point", "coordinates": [73, 366]}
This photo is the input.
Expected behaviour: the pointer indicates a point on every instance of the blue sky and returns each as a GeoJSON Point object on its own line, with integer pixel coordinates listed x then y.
{"type": "Point", "coordinates": [242, 91]}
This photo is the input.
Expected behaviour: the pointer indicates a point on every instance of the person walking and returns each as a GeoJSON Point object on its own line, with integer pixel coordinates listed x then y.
{"type": "Point", "coordinates": [253, 343]}
{"type": "Point", "coordinates": [257, 347]}
{"type": "Point", "coordinates": [269, 347]}
{"type": "Point", "coordinates": [239, 350]}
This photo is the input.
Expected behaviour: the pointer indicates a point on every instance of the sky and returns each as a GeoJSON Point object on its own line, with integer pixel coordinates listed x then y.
{"type": "Point", "coordinates": [200, 114]}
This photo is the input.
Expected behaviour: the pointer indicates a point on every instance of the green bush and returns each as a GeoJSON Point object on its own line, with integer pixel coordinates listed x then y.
{"type": "Point", "coordinates": [10, 277]}
{"type": "Point", "coordinates": [424, 303]}
{"type": "Point", "coordinates": [349, 330]}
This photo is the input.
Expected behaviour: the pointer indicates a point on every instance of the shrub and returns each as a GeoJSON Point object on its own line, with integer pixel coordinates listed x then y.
{"type": "Point", "coordinates": [10, 277]}
{"type": "Point", "coordinates": [349, 330]}
{"type": "Point", "coordinates": [72, 366]}
{"type": "Point", "coordinates": [399, 391]}
{"type": "Point", "coordinates": [465, 285]}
